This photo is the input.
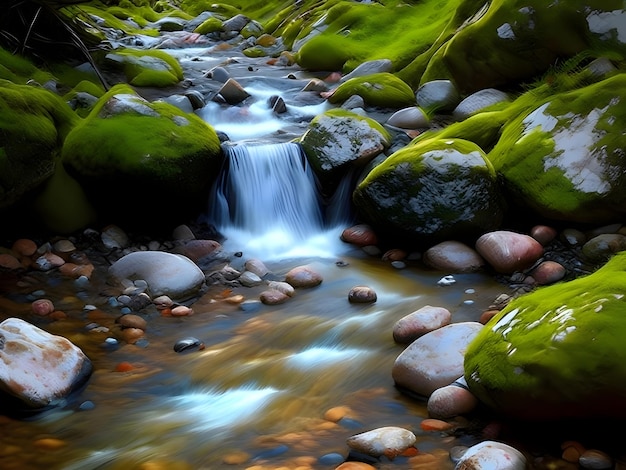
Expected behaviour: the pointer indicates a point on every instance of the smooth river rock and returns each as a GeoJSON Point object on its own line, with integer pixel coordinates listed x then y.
{"type": "Point", "coordinates": [36, 367]}
{"type": "Point", "coordinates": [435, 359]}
{"type": "Point", "coordinates": [166, 274]}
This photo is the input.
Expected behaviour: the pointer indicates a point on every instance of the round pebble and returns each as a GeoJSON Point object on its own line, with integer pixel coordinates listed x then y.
{"type": "Point", "coordinates": [132, 321]}
{"type": "Point", "coordinates": [362, 295]}
{"type": "Point", "coordinates": [42, 307]}
{"type": "Point", "coordinates": [595, 460]}
{"type": "Point", "coordinates": [181, 311]}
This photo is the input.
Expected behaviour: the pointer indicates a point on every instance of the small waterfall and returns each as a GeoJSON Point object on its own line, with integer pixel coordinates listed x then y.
{"type": "Point", "coordinates": [266, 204]}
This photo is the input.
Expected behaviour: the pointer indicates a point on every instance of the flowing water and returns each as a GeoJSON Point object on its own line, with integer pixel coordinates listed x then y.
{"type": "Point", "coordinates": [257, 393]}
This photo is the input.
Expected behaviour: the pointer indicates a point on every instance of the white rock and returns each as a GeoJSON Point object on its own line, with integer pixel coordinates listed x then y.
{"type": "Point", "coordinates": [478, 101]}
{"type": "Point", "coordinates": [257, 267]}
{"type": "Point", "coordinates": [409, 118]}
{"type": "Point", "coordinates": [249, 279]}
{"type": "Point", "coordinates": [37, 367]}
{"type": "Point", "coordinates": [491, 455]}
{"type": "Point", "coordinates": [282, 286]}
{"type": "Point", "coordinates": [438, 95]}
{"type": "Point", "coordinates": [389, 441]}
{"type": "Point", "coordinates": [435, 359]}
{"type": "Point", "coordinates": [166, 274]}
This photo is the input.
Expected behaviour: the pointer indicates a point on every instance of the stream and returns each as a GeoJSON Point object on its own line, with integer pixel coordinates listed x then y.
{"type": "Point", "coordinates": [256, 395]}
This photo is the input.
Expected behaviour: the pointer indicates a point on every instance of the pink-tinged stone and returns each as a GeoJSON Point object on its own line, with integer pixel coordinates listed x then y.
{"type": "Point", "coordinates": [36, 367]}
{"type": "Point", "coordinates": [548, 272]}
{"type": "Point", "coordinates": [362, 295]}
{"type": "Point", "coordinates": [359, 235]}
{"type": "Point", "coordinates": [453, 257]}
{"type": "Point", "coordinates": [181, 311]}
{"type": "Point", "coordinates": [303, 276]}
{"type": "Point", "coordinates": [450, 401]}
{"type": "Point", "coordinates": [42, 307]}
{"type": "Point", "coordinates": [273, 297]}
{"type": "Point", "coordinates": [428, 318]}
{"type": "Point", "coordinates": [543, 234]}
{"type": "Point", "coordinates": [508, 252]}
{"type": "Point", "coordinates": [198, 249]}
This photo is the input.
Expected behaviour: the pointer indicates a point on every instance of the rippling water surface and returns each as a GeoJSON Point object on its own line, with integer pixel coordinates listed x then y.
{"type": "Point", "coordinates": [262, 384]}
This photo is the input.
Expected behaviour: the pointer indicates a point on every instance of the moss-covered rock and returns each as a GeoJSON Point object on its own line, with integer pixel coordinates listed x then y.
{"type": "Point", "coordinates": [210, 25]}
{"type": "Point", "coordinates": [383, 89]}
{"type": "Point", "coordinates": [324, 53]}
{"type": "Point", "coordinates": [557, 352]}
{"type": "Point", "coordinates": [514, 40]}
{"type": "Point", "coordinates": [432, 191]}
{"type": "Point", "coordinates": [33, 124]}
{"type": "Point", "coordinates": [142, 162]}
{"type": "Point", "coordinates": [147, 68]}
{"type": "Point", "coordinates": [339, 140]}
{"type": "Point", "coordinates": [564, 159]}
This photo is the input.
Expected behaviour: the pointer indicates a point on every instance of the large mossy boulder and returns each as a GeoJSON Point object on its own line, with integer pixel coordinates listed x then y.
{"type": "Point", "coordinates": [515, 40]}
{"type": "Point", "coordinates": [557, 352]}
{"type": "Point", "coordinates": [142, 163]}
{"type": "Point", "coordinates": [435, 190]}
{"type": "Point", "coordinates": [383, 89]}
{"type": "Point", "coordinates": [33, 124]}
{"type": "Point", "coordinates": [338, 141]}
{"type": "Point", "coordinates": [147, 68]}
{"type": "Point", "coordinates": [564, 159]}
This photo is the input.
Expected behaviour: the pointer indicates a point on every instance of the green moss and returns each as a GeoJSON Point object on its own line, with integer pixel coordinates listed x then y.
{"type": "Point", "coordinates": [339, 112]}
{"type": "Point", "coordinates": [483, 129]}
{"type": "Point", "coordinates": [254, 52]}
{"type": "Point", "coordinates": [86, 87]}
{"type": "Point", "coordinates": [380, 89]}
{"type": "Point", "coordinates": [142, 72]}
{"type": "Point", "coordinates": [521, 154]}
{"type": "Point", "coordinates": [211, 25]}
{"type": "Point", "coordinates": [19, 69]}
{"type": "Point", "coordinates": [558, 350]}
{"type": "Point", "coordinates": [435, 190]}
{"type": "Point", "coordinates": [195, 7]}
{"type": "Point", "coordinates": [325, 53]}
{"type": "Point", "coordinates": [112, 20]}
{"type": "Point", "coordinates": [390, 29]}
{"type": "Point", "coordinates": [33, 125]}
{"type": "Point", "coordinates": [146, 142]}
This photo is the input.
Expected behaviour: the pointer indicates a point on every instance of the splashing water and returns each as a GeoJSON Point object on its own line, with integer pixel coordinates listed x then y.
{"type": "Point", "coordinates": [266, 204]}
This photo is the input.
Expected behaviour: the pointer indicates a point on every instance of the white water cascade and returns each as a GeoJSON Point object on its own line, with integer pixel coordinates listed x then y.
{"type": "Point", "coordinates": [266, 204]}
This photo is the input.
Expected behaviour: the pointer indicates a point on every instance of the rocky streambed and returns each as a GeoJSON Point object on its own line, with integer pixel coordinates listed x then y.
{"type": "Point", "coordinates": [253, 371]}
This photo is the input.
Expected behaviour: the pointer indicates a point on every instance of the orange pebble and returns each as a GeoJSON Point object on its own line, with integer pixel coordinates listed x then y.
{"type": "Point", "coordinates": [430, 424]}
{"type": "Point", "coordinates": [410, 452]}
{"type": "Point", "coordinates": [58, 315]}
{"type": "Point", "coordinates": [166, 312]}
{"type": "Point", "coordinates": [124, 367]}
{"type": "Point", "coordinates": [49, 443]}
